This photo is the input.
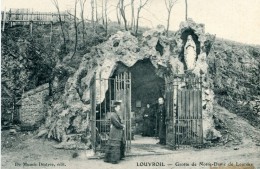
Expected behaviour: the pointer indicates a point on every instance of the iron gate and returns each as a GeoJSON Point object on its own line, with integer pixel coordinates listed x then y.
{"type": "Point", "coordinates": [184, 110]}
{"type": "Point", "coordinates": [102, 94]}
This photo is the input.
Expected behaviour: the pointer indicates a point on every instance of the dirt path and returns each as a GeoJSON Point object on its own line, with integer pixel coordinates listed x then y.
{"type": "Point", "coordinates": [39, 152]}
{"type": "Point", "coordinates": [243, 148]}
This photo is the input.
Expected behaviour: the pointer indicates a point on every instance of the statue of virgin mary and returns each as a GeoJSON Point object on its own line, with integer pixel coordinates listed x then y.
{"type": "Point", "coordinates": [190, 53]}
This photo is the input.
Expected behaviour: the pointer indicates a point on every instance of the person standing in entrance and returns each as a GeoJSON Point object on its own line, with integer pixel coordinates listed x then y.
{"type": "Point", "coordinates": [148, 122]}
{"type": "Point", "coordinates": [161, 126]}
{"type": "Point", "coordinates": [116, 142]}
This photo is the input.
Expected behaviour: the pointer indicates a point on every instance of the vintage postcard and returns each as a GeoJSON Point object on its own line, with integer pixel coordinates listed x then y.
{"type": "Point", "coordinates": [130, 84]}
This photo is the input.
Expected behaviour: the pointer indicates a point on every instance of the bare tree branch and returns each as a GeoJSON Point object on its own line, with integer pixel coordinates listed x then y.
{"type": "Point", "coordinates": [75, 27]}
{"type": "Point", "coordinates": [169, 5]}
{"type": "Point", "coordinates": [105, 12]}
{"type": "Point", "coordinates": [82, 6]}
{"type": "Point", "coordinates": [186, 10]}
{"type": "Point", "coordinates": [122, 11]}
{"type": "Point", "coordinates": [102, 11]}
{"type": "Point", "coordinates": [118, 13]}
{"type": "Point", "coordinates": [96, 10]}
{"type": "Point", "coordinates": [133, 15]}
{"type": "Point", "coordinates": [141, 5]}
{"type": "Point", "coordinates": [92, 14]}
{"type": "Point", "coordinates": [56, 4]}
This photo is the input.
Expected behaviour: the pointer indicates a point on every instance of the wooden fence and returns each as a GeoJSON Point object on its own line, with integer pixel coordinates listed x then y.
{"type": "Point", "coordinates": [25, 17]}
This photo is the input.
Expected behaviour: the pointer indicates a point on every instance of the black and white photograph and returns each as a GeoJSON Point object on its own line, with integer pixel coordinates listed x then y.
{"type": "Point", "coordinates": [130, 84]}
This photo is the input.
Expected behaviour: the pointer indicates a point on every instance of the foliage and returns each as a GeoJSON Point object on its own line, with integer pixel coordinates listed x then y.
{"type": "Point", "coordinates": [27, 61]}
{"type": "Point", "coordinates": [234, 69]}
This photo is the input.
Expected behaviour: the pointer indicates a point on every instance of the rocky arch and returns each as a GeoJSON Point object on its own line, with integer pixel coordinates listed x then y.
{"type": "Point", "coordinates": [184, 36]}
{"type": "Point", "coordinates": [147, 83]}
{"type": "Point", "coordinates": [124, 48]}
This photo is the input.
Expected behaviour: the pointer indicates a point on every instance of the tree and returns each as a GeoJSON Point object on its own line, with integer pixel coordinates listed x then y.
{"type": "Point", "coordinates": [141, 5]}
{"type": "Point", "coordinates": [56, 4]}
{"type": "Point", "coordinates": [133, 15]}
{"type": "Point", "coordinates": [102, 11]}
{"type": "Point", "coordinates": [75, 27]}
{"type": "Point", "coordinates": [186, 10]}
{"type": "Point", "coordinates": [118, 13]}
{"type": "Point", "coordinates": [92, 14]}
{"type": "Point", "coordinates": [105, 14]}
{"type": "Point", "coordinates": [169, 5]}
{"type": "Point", "coordinates": [96, 10]}
{"type": "Point", "coordinates": [82, 6]}
{"type": "Point", "coordinates": [122, 11]}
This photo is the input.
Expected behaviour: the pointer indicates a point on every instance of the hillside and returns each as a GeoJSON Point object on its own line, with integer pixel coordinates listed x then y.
{"type": "Point", "coordinates": [28, 62]}
{"type": "Point", "coordinates": [235, 72]}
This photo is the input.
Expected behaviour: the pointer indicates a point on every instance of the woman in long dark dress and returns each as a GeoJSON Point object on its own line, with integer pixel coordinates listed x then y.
{"type": "Point", "coordinates": [148, 122]}
{"type": "Point", "coordinates": [116, 143]}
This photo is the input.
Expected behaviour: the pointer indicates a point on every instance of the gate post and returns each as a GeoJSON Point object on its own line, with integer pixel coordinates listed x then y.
{"type": "Point", "coordinates": [93, 112]}
{"type": "Point", "coordinates": [170, 112]}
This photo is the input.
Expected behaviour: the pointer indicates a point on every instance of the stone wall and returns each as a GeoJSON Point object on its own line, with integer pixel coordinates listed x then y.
{"type": "Point", "coordinates": [33, 105]}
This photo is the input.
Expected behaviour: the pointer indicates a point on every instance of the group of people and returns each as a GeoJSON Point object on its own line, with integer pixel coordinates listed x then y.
{"type": "Point", "coordinates": [154, 121]}
{"type": "Point", "coordinates": [116, 143]}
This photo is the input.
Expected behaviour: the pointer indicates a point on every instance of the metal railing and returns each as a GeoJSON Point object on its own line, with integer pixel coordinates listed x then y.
{"type": "Point", "coordinates": [102, 93]}
{"type": "Point", "coordinates": [184, 110]}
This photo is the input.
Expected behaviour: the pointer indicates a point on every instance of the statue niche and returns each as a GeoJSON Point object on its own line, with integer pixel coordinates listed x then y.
{"type": "Point", "coordinates": [190, 53]}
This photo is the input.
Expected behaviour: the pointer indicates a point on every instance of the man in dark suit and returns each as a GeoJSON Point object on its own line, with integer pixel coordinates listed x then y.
{"type": "Point", "coordinates": [116, 143]}
{"type": "Point", "coordinates": [161, 126]}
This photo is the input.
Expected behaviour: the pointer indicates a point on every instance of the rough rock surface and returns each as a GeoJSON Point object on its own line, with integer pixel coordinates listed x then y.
{"type": "Point", "coordinates": [33, 105]}
{"type": "Point", "coordinates": [73, 109]}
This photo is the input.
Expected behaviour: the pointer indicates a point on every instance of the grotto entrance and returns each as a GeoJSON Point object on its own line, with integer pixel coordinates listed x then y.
{"type": "Point", "coordinates": [182, 101]}
{"type": "Point", "coordinates": [136, 86]}
{"type": "Point", "coordinates": [147, 85]}
{"type": "Point", "coordinates": [139, 86]}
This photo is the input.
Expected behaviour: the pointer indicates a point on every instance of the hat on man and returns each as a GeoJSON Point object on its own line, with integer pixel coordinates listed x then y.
{"type": "Point", "coordinates": [116, 102]}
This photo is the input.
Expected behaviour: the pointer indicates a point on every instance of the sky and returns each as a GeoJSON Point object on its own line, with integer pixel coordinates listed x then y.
{"type": "Point", "coordinates": [237, 20]}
